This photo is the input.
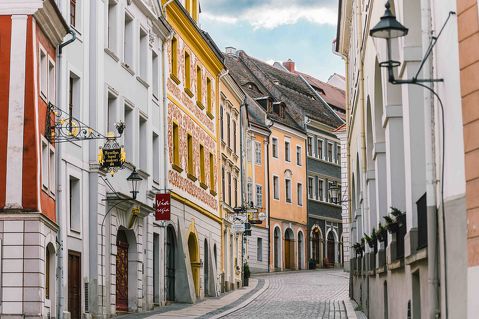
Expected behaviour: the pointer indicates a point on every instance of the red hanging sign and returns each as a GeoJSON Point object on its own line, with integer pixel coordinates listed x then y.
{"type": "Point", "coordinates": [163, 207]}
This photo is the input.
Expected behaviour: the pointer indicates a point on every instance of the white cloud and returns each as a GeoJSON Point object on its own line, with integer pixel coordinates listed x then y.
{"type": "Point", "coordinates": [270, 16]}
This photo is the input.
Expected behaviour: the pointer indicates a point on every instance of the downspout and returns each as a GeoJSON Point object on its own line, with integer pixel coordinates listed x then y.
{"type": "Point", "coordinates": [58, 158]}
{"type": "Point", "coordinates": [432, 238]}
{"type": "Point", "coordinates": [269, 200]}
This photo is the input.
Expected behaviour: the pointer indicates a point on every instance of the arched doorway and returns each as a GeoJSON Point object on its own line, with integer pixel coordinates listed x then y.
{"type": "Point", "coordinates": [206, 268]}
{"type": "Point", "coordinates": [300, 250]}
{"type": "Point", "coordinates": [276, 252]}
{"type": "Point", "coordinates": [126, 270]}
{"type": "Point", "coordinates": [331, 249]}
{"type": "Point", "coordinates": [195, 261]}
{"type": "Point", "coordinates": [289, 249]}
{"type": "Point", "coordinates": [170, 263]}
{"type": "Point", "coordinates": [316, 249]}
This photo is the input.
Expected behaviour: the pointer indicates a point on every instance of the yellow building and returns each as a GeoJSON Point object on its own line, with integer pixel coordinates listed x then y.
{"type": "Point", "coordinates": [229, 130]}
{"type": "Point", "coordinates": [195, 65]}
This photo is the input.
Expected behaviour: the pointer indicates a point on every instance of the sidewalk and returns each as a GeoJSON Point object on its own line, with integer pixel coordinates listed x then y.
{"type": "Point", "coordinates": [208, 308]}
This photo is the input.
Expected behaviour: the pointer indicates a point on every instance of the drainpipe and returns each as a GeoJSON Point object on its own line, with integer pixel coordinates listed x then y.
{"type": "Point", "coordinates": [58, 159]}
{"type": "Point", "coordinates": [269, 207]}
{"type": "Point", "coordinates": [432, 240]}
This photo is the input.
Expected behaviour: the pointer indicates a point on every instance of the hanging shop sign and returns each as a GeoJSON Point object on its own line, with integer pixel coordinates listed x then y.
{"type": "Point", "coordinates": [111, 156]}
{"type": "Point", "coordinates": [162, 207]}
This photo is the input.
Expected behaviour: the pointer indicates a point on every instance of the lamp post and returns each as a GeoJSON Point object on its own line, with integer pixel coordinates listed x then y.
{"type": "Point", "coordinates": [133, 178]}
{"type": "Point", "coordinates": [334, 191]}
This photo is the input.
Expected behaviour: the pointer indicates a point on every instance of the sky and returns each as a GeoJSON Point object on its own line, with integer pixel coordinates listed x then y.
{"type": "Point", "coordinates": [277, 30]}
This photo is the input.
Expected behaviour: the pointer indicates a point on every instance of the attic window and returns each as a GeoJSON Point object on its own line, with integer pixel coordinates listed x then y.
{"type": "Point", "coordinates": [278, 108]}
{"type": "Point", "coordinates": [276, 82]}
{"type": "Point", "coordinates": [252, 86]}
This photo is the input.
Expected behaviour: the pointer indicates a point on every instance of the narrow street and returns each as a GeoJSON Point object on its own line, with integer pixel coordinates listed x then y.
{"type": "Point", "coordinates": [304, 294]}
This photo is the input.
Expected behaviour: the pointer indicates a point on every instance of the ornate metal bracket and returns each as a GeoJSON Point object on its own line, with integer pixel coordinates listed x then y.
{"type": "Point", "coordinates": [62, 127]}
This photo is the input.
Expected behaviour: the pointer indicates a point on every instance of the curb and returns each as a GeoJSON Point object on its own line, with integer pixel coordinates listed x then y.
{"type": "Point", "coordinates": [350, 309]}
{"type": "Point", "coordinates": [244, 303]}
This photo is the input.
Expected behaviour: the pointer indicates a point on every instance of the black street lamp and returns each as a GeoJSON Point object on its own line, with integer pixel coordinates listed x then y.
{"type": "Point", "coordinates": [134, 178]}
{"type": "Point", "coordinates": [334, 191]}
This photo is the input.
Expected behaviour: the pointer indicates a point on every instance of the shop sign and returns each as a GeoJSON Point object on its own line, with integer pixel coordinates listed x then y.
{"type": "Point", "coordinates": [162, 207]}
{"type": "Point", "coordinates": [112, 158]}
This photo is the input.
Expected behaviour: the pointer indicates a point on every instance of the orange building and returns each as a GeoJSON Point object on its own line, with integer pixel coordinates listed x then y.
{"type": "Point", "coordinates": [468, 29]}
{"type": "Point", "coordinates": [30, 33]}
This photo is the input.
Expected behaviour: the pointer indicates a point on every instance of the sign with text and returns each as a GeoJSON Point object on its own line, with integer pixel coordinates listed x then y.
{"type": "Point", "coordinates": [112, 158]}
{"type": "Point", "coordinates": [162, 207]}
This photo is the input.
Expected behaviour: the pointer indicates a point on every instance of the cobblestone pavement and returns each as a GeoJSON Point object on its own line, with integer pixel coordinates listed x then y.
{"type": "Point", "coordinates": [309, 294]}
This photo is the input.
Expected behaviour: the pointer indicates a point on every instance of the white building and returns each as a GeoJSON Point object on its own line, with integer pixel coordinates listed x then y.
{"type": "Point", "coordinates": [395, 159]}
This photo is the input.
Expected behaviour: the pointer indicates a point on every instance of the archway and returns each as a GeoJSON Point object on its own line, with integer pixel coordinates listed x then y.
{"type": "Point", "coordinates": [206, 268]}
{"type": "Point", "coordinates": [317, 249]}
{"type": "Point", "coordinates": [170, 263]}
{"type": "Point", "coordinates": [277, 251]}
{"type": "Point", "coordinates": [126, 270]}
{"type": "Point", "coordinates": [331, 249]}
{"type": "Point", "coordinates": [195, 261]}
{"type": "Point", "coordinates": [289, 249]}
{"type": "Point", "coordinates": [300, 249]}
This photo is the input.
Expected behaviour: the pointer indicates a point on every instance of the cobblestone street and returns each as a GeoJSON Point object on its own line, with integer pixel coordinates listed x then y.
{"type": "Point", "coordinates": [311, 294]}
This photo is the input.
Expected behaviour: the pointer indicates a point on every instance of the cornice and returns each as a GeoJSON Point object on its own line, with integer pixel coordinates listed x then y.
{"type": "Point", "coordinates": [51, 21]}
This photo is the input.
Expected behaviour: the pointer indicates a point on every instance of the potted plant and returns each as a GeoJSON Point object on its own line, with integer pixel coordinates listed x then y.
{"type": "Point", "coordinates": [399, 215]}
{"type": "Point", "coordinates": [372, 240]}
{"type": "Point", "coordinates": [312, 263]}
{"type": "Point", "coordinates": [246, 274]}
{"type": "Point", "coordinates": [381, 233]}
{"type": "Point", "coordinates": [391, 224]}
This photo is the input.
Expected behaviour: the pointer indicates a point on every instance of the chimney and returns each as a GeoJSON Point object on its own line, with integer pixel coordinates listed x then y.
{"type": "Point", "coordinates": [231, 50]}
{"type": "Point", "coordinates": [289, 65]}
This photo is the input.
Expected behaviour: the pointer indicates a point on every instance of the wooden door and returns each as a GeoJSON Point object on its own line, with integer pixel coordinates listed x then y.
{"type": "Point", "coordinates": [122, 276]}
{"type": "Point", "coordinates": [74, 284]}
{"type": "Point", "coordinates": [170, 265]}
{"type": "Point", "coordinates": [331, 252]}
{"type": "Point", "coordinates": [287, 254]}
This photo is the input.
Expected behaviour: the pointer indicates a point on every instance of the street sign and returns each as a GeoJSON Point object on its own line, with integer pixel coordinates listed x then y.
{"type": "Point", "coordinates": [238, 227]}
{"type": "Point", "coordinates": [162, 207]}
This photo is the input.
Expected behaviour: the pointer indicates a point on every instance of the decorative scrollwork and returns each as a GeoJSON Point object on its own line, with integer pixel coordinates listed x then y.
{"type": "Point", "coordinates": [62, 127]}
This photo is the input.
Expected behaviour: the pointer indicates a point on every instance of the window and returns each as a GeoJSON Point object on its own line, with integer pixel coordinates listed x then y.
{"type": "Point", "coordinates": [51, 169]}
{"type": "Point", "coordinates": [128, 42]}
{"type": "Point", "coordinates": [330, 152]}
{"type": "Point", "coordinates": [74, 204]}
{"type": "Point", "coordinates": [156, 157]}
{"type": "Point", "coordinates": [176, 145]}
{"type": "Point", "coordinates": [155, 73]}
{"type": "Point", "coordinates": [287, 156]}
{"type": "Point", "coordinates": [223, 184]}
{"type": "Point", "coordinates": [310, 146]}
{"type": "Point", "coordinates": [235, 181]}
{"type": "Point", "coordinates": [43, 74]}
{"type": "Point", "coordinates": [222, 124]}
{"type": "Point", "coordinates": [45, 164]}
{"type": "Point", "coordinates": [212, 173]}
{"type": "Point", "coordinates": [259, 196]}
{"type": "Point", "coordinates": [257, 153]}
{"type": "Point", "coordinates": [47, 274]}
{"type": "Point", "coordinates": [51, 82]}
{"type": "Point", "coordinates": [209, 96]}
{"type": "Point", "coordinates": [250, 192]}
{"type": "Point", "coordinates": [128, 134]}
{"type": "Point", "coordinates": [320, 149]}
{"type": "Point", "coordinates": [73, 13]}
{"type": "Point", "coordinates": [298, 155]}
{"type": "Point", "coordinates": [259, 249]}
{"type": "Point", "coordinates": [300, 194]}
{"type": "Point", "coordinates": [228, 129]}
{"type": "Point", "coordinates": [74, 96]}
{"type": "Point", "coordinates": [338, 154]}
{"type": "Point", "coordinates": [276, 187]}
{"type": "Point", "coordinates": [310, 187]}
{"type": "Point", "coordinates": [143, 54]}
{"type": "Point", "coordinates": [111, 117]}
{"type": "Point", "coordinates": [187, 72]}
{"type": "Point", "coordinates": [288, 190]}
{"type": "Point", "coordinates": [190, 155]}
{"type": "Point", "coordinates": [275, 147]}
{"type": "Point", "coordinates": [174, 57]}
{"type": "Point", "coordinates": [321, 190]}
{"type": "Point", "coordinates": [199, 84]}
{"type": "Point", "coordinates": [202, 165]}
{"type": "Point", "coordinates": [112, 34]}
{"type": "Point", "coordinates": [229, 188]}
{"type": "Point", "coordinates": [234, 137]}
{"type": "Point", "coordinates": [142, 140]}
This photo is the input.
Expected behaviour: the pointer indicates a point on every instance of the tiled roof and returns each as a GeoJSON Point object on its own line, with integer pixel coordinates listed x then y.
{"type": "Point", "coordinates": [332, 95]}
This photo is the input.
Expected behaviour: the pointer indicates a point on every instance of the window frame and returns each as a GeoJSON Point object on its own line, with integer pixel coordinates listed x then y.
{"type": "Point", "coordinates": [288, 190]}
{"type": "Point", "coordinates": [299, 193]}
{"type": "Point", "coordinates": [299, 157]}
{"type": "Point", "coordinates": [320, 151]}
{"type": "Point", "coordinates": [311, 193]}
{"type": "Point", "coordinates": [276, 187]}
{"type": "Point", "coordinates": [257, 148]}
{"type": "Point", "coordinates": [274, 148]}
{"type": "Point", "coordinates": [259, 195]}
{"type": "Point", "coordinates": [287, 151]}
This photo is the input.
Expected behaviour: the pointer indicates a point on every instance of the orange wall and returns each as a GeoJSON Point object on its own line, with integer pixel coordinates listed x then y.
{"type": "Point", "coordinates": [259, 178]}
{"type": "Point", "coordinates": [280, 208]}
{"type": "Point", "coordinates": [5, 36]}
{"type": "Point", "coordinates": [468, 29]}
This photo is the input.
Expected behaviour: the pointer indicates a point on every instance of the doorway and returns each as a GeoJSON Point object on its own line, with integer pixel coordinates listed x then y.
{"type": "Point", "coordinates": [121, 272]}
{"type": "Point", "coordinates": [331, 250]}
{"type": "Point", "coordinates": [74, 284]}
{"type": "Point", "coordinates": [300, 250]}
{"type": "Point", "coordinates": [170, 263]}
{"type": "Point", "coordinates": [276, 248]}
{"type": "Point", "coordinates": [195, 261]}
{"type": "Point", "coordinates": [288, 249]}
{"type": "Point", "coordinates": [206, 268]}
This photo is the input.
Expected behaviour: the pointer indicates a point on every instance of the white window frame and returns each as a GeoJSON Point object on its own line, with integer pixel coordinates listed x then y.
{"type": "Point", "coordinates": [320, 156]}
{"type": "Point", "coordinates": [43, 71]}
{"type": "Point", "coordinates": [51, 84]}
{"type": "Point", "coordinates": [289, 193]}
{"type": "Point", "coordinates": [299, 193]}
{"type": "Point", "coordinates": [143, 60]}
{"type": "Point", "coordinates": [259, 249]}
{"type": "Point", "coordinates": [321, 197]}
{"type": "Point", "coordinates": [48, 166]}
{"type": "Point", "coordinates": [276, 192]}
{"type": "Point", "coordinates": [274, 143]}
{"type": "Point", "coordinates": [70, 222]}
{"type": "Point", "coordinates": [259, 195]}
{"type": "Point", "coordinates": [111, 40]}
{"type": "Point", "coordinates": [307, 146]}
{"type": "Point", "coordinates": [299, 151]}
{"type": "Point", "coordinates": [311, 182]}
{"type": "Point", "coordinates": [257, 148]}
{"type": "Point", "coordinates": [338, 154]}
{"type": "Point", "coordinates": [287, 154]}
{"type": "Point", "coordinates": [331, 160]}
{"type": "Point", "coordinates": [249, 192]}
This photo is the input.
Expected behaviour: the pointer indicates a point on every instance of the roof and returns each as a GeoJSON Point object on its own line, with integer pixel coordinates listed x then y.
{"type": "Point", "coordinates": [331, 94]}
